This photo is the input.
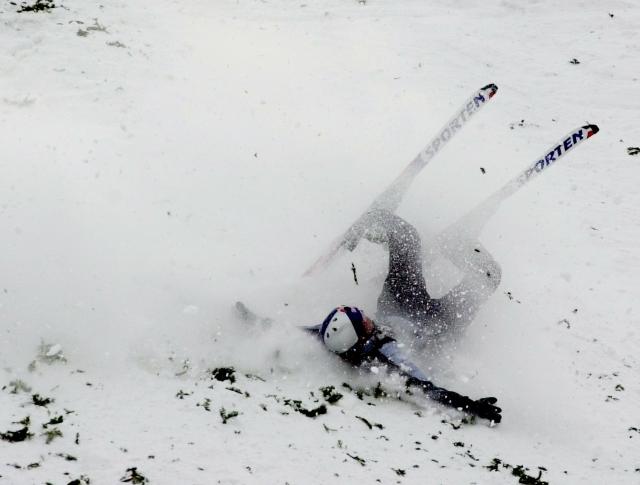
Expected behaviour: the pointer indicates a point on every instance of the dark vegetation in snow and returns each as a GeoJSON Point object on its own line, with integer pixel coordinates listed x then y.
{"type": "Point", "coordinates": [132, 475]}
{"type": "Point", "coordinates": [96, 27]}
{"type": "Point", "coordinates": [360, 460]}
{"type": "Point", "coordinates": [17, 386]}
{"type": "Point", "coordinates": [369, 424]}
{"type": "Point", "coordinates": [316, 404]}
{"type": "Point", "coordinates": [182, 394]}
{"type": "Point", "coordinates": [310, 413]}
{"type": "Point", "coordinates": [377, 392]}
{"type": "Point", "coordinates": [37, 6]}
{"type": "Point", "coordinates": [330, 394]}
{"type": "Point", "coordinates": [38, 400]}
{"type": "Point", "coordinates": [224, 374]}
{"type": "Point", "coordinates": [83, 480]}
{"type": "Point", "coordinates": [227, 415]}
{"type": "Point", "coordinates": [16, 436]}
{"type": "Point", "coordinates": [52, 434]}
{"type": "Point", "coordinates": [518, 471]}
{"type": "Point", "coordinates": [206, 404]}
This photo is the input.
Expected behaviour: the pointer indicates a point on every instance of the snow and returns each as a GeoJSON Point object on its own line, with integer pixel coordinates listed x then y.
{"type": "Point", "coordinates": [161, 161]}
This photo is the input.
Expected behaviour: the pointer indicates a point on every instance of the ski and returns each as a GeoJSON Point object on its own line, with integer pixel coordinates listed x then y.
{"type": "Point", "coordinates": [390, 198]}
{"type": "Point", "coordinates": [473, 222]}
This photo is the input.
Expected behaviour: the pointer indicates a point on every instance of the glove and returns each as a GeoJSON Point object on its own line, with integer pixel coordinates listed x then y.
{"type": "Point", "coordinates": [485, 408]}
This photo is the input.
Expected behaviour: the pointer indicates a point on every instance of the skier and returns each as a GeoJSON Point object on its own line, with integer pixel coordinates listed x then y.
{"type": "Point", "coordinates": [352, 335]}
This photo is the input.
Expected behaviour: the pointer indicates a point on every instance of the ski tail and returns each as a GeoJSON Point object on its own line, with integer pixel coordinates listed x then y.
{"type": "Point", "coordinates": [471, 224]}
{"type": "Point", "coordinates": [391, 198]}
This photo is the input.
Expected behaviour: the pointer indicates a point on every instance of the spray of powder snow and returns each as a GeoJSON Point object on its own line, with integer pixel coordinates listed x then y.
{"type": "Point", "coordinates": [117, 261]}
{"type": "Point", "coordinates": [128, 236]}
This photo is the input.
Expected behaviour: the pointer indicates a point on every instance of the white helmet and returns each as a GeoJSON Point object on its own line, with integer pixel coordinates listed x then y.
{"type": "Point", "coordinates": [339, 335]}
{"type": "Point", "coordinates": [344, 327]}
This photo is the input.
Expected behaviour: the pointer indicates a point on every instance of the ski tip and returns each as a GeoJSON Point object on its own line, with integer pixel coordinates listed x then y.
{"type": "Point", "coordinates": [492, 88]}
{"type": "Point", "coordinates": [592, 130]}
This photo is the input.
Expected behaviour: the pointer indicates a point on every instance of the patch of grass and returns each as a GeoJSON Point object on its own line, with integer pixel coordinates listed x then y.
{"type": "Point", "coordinates": [56, 420]}
{"type": "Point", "coordinates": [330, 394]}
{"type": "Point", "coordinates": [370, 425]}
{"type": "Point", "coordinates": [83, 480]}
{"type": "Point", "coordinates": [224, 374]}
{"type": "Point", "coordinates": [67, 456]}
{"type": "Point", "coordinates": [360, 393]}
{"type": "Point", "coordinates": [38, 400]}
{"type": "Point", "coordinates": [518, 471]}
{"type": "Point", "coordinates": [132, 475]}
{"type": "Point", "coordinates": [297, 406]}
{"type": "Point", "coordinates": [16, 436]}
{"type": "Point", "coordinates": [310, 413]}
{"type": "Point", "coordinates": [362, 461]}
{"type": "Point", "coordinates": [182, 394]}
{"type": "Point", "coordinates": [38, 6]}
{"type": "Point", "coordinates": [51, 434]}
{"type": "Point", "coordinates": [17, 386]}
{"type": "Point", "coordinates": [96, 27]}
{"type": "Point", "coordinates": [327, 428]}
{"type": "Point", "coordinates": [227, 415]}
{"type": "Point", "coordinates": [238, 391]}
{"type": "Point", "coordinates": [377, 392]}
{"type": "Point", "coordinates": [457, 425]}
{"type": "Point", "coordinates": [26, 421]}
{"type": "Point", "coordinates": [206, 404]}
{"type": "Point", "coordinates": [117, 43]}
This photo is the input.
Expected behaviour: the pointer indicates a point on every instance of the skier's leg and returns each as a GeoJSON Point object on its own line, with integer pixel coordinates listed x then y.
{"type": "Point", "coordinates": [481, 278]}
{"type": "Point", "coordinates": [404, 292]}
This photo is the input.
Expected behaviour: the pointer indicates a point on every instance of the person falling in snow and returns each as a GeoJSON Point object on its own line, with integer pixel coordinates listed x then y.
{"type": "Point", "coordinates": [355, 337]}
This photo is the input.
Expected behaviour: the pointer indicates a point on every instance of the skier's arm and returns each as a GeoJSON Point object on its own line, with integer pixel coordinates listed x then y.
{"type": "Point", "coordinates": [393, 356]}
{"type": "Point", "coordinates": [483, 408]}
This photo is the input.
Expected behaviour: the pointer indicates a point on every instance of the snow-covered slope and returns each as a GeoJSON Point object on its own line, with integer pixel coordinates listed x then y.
{"type": "Point", "coordinates": [162, 160]}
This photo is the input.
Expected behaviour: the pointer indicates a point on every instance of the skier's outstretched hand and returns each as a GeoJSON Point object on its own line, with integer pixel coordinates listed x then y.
{"type": "Point", "coordinates": [485, 408]}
